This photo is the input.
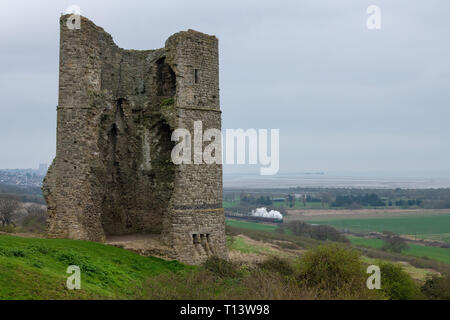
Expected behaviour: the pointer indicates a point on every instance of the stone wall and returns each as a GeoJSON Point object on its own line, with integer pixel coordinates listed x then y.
{"type": "Point", "coordinates": [112, 174]}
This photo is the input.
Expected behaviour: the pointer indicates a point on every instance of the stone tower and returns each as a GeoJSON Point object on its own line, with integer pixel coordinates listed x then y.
{"type": "Point", "coordinates": [117, 109]}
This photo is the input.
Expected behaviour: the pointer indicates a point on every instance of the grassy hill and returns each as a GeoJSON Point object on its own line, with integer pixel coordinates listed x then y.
{"type": "Point", "coordinates": [32, 268]}
{"type": "Point", "coordinates": [264, 264]}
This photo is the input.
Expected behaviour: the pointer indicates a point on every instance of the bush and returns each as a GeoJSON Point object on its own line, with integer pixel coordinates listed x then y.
{"type": "Point", "coordinates": [221, 268]}
{"type": "Point", "coordinates": [202, 284]}
{"type": "Point", "coordinates": [394, 243]}
{"type": "Point", "coordinates": [194, 285]}
{"type": "Point", "coordinates": [267, 285]}
{"type": "Point", "coordinates": [7, 229]}
{"type": "Point", "coordinates": [334, 271]}
{"type": "Point", "coordinates": [272, 237]}
{"type": "Point", "coordinates": [328, 233]}
{"type": "Point", "coordinates": [230, 241]}
{"type": "Point", "coordinates": [299, 228]}
{"type": "Point", "coordinates": [287, 245]}
{"type": "Point", "coordinates": [278, 265]}
{"type": "Point", "coordinates": [12, 252]}
{"type": "Point", "coordinates": [437, 288]}
{"type": "Point", "coordinates": [396, 284]}
{"type": "Point", "coordinates": [320, 232]}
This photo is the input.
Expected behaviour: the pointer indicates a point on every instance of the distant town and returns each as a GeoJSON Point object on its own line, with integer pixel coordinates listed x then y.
{"type": "Point", "coordinates": [24, 177]}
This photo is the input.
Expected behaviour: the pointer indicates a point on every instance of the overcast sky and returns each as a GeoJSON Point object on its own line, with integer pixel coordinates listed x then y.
{"type": "Point", "coordinates": [345, 98]}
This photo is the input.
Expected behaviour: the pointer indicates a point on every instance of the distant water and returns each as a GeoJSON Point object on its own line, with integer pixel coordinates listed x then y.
{"type": "Point", "coordinates": [334, 180]}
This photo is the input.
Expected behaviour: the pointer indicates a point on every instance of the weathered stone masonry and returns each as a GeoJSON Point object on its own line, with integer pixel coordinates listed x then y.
{"type": "Point", "coordinates": [112, 174]}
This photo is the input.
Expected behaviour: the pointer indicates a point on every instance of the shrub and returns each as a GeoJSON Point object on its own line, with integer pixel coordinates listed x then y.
{"type": "Point", "coordinates": [41, 249]}
{"type": "Point", "coordinates": [19, 253]}
{"type": "Point", "coordinates": [202, 284]}
{"type": "Point", "coordinates": [230, 241]}
{"type": "Point", "coordinates": [12, 252]}
{"type": "Point", "coordinates": [327, 233]}
{"type": "Point", "coordinates": [397, 284]}
{"type": "Point", "coordinates": [437, 288]}
{"type": "Point", "coordinates": [333, 270]}
{"type": "Point", "coordinates": [221, 268]}
{"type": "Point", "coordinates": [393, 242]}
{"type": "Point", "coordinates": [7, 229]}
{"type": "Point", "coordinates": [194, 285]}
{"type": "Point", "coordinates": [278, 265]}
{"type": "Point", "coordinates": [320, 232]}
{"type": "Point", "coordinates": [299, 228]}
{"type": "Point", "coordinates": [287, 245]}
{"type": "Point", "coordinates": [267, 285]}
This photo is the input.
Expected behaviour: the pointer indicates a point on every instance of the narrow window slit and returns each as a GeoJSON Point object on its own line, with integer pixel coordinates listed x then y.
{"type": "Point", "coordinates": [196, 75]}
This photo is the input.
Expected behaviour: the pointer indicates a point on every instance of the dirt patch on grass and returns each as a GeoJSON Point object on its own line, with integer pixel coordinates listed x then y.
{"type": "Point", "coordinates": [143, 244]}
{"type": "Point", "coordinates": [23, 235]}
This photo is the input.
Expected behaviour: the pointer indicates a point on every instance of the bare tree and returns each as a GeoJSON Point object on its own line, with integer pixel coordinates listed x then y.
{"type": "Point", "coordinates": [326, 199]}
{"type": "Point", "coordinates": [7, 208]}
{"type": "Point", "coordinates": [37, 210]}
{"type": "Point", "coordinates": [35, 220]}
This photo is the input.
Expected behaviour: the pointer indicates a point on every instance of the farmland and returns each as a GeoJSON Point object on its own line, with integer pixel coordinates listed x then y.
{"type": "Point", "coordinates": [416, 250]}
{"type": "Point", "coordinates": [439, 254]}
{"type": "Point", "coordinates": [251, 225]}
{"type": "Point", "coordinates": [431, 226]}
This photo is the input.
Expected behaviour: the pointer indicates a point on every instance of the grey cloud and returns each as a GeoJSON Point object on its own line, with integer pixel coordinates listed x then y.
{"type": "Point", "coordinates": [342, 96]}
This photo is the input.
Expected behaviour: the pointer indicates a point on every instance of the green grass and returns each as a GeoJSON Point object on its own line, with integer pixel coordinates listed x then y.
{"type": "Point", "coordinates": [309, 205]}
{"type": "Point", "coordinates": [230, 204]}
{"type": "Point", "coordinates": [435, 253]}
{"type": "Point", "coordinates": [431, 224]}
{"type": "Point", "coordinates": [298, 205]}
{"type": "Point", "coordinates": [444, 237]}
{"type": "Point", "coordinates": [239, 244]}
{"type": "Point", "coordinates": [32, 268]}
{"type": "Point", "coordinates": [251, 225]}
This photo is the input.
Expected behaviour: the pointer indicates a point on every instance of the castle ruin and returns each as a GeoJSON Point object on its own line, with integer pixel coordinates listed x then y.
{"type": "Point", "coordinates": [113, 175]}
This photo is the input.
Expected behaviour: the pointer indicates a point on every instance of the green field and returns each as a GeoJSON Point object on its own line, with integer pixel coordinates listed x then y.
{"type": "Point", "coordinates": [308, 205]}
{"type": "Point", "coordinates": [419, 225]}
{"type": "Point", "coordinates": [32, 268]}
{"type": "Point", "coordinates": [230, 204]}
{"type": "Point", "coordinates": [435, 253]}
{"type": "Point", "coordinates": [298, 205]}
{"type": "Point", "coordinates": [251, 225]}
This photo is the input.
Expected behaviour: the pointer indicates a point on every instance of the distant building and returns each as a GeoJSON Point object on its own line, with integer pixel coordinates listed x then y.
{"type": "Point", "coordinates": [42, 169]}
